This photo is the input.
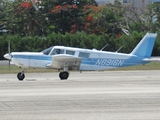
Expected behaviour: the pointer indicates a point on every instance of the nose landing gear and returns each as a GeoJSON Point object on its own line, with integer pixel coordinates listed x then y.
{"type": "Point", "coordinates": [21, 75]}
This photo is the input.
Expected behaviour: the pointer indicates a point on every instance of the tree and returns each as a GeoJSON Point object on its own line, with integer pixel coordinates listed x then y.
{"type": "Point", "coordinates": [31, 17]}
{"type": "Point", "coordinates": [6, 16]}
{"type": "Point", "coordinates": [156, 17]}
{"type": "Point", "coordinates": [69, 15]}
{"type": "Point", "coordinates": [140, 19]}
{"type": "Point", "coordinates": [25, 17]}
{"type": "Point", "coordinates": [2, 15]}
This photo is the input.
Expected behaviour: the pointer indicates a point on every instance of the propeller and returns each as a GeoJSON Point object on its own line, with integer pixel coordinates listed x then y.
{"type": "Point", "coordinates": [9, 49]}
{"type": "Point", "coordinates": [9, 55]}
{"type": "Point", "coordinates": [9, 52]}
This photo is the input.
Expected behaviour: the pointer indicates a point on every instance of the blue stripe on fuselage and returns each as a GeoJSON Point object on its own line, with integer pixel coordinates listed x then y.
{"type": "Point", "coordinates": [113, 62]}
{"type": "Point", "coordinates": [33, 57]}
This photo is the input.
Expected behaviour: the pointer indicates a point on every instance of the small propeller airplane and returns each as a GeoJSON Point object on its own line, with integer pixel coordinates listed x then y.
{"type": "Point", "coordinates": [69, 58]}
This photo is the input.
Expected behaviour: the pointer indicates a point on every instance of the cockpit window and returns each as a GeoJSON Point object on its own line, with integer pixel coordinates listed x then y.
{"type": "Point", "coordinates": [47, 51]}
{"type": "Point", "coordinates": [57, 51]}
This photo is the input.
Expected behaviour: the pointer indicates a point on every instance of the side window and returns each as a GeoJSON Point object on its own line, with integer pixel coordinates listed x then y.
{"type": "Point", "coordinates": [124, 1]}
{"type": "Point", "coordinates": [84, 55]}
{"type": "Point", "coordinates": [57, 51]}
{"type": "Point", "coordinates": [70, 52]}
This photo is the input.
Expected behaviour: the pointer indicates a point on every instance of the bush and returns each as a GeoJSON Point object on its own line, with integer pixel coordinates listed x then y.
{"type": "Point", "coordinates": [80, 39]}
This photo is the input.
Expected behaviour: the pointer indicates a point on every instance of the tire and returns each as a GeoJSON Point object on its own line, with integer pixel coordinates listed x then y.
{"type": "Point", "coordinates": [20, 76]}
{"type": "Point", "coordinates": [63, 75]}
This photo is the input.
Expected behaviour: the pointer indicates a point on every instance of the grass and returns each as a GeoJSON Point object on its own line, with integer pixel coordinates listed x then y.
{"type": "Point", "coordinates": [150, 66]}
{"type": "Point", "coordinates": [15, 69]}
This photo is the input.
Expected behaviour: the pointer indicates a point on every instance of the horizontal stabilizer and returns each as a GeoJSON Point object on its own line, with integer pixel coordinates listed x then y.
{"type": "Point", "coordinates": [152, 59]}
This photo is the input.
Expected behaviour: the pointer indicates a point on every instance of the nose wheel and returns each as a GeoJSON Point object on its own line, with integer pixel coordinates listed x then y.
{"type": "Point", "coordinates": [20, 76]}
{"type": "Point", "coordinates": [63, 75]}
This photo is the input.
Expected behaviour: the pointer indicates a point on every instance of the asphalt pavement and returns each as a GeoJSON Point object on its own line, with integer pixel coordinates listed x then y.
{"type": "Point", "coordinates": [109, 95]}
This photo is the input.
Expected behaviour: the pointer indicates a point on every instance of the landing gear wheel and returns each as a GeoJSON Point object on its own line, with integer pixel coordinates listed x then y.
{"type": "Point", "coordinates": [20, 76]}
{"type": "Point", "coordinates": [63, 75]}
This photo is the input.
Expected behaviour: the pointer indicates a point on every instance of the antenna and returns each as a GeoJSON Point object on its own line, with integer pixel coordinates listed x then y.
{"type": "Point", "coordinates": [104, 47]}
{"type": "Point", "coordinates": [120, 48]}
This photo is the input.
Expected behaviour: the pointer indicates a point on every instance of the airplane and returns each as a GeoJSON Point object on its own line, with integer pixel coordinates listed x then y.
{"type": "Point", "coordinates": [70, 58]}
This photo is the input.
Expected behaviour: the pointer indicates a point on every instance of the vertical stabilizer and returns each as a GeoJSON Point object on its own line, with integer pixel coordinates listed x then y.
{"type": "Point", "coordinates": [145, 46]}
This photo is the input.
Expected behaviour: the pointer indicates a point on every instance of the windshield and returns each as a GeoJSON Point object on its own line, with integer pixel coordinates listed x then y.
{"type": "Point", "coordinates": [47, 51]}
{"type": "Point", "coordinates": [57, 51]}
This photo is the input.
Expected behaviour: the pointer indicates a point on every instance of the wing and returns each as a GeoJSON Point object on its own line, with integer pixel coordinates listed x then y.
{"type": "Point", "coordinates": [65, 61]}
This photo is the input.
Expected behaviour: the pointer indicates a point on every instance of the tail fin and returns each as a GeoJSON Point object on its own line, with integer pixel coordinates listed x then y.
{"type": "Point", "coordinates": [145, 46]}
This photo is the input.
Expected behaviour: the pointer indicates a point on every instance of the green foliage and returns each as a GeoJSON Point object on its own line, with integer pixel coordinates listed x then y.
{"type": "Point", "coordinates": [156, 50]}
{"type": "Point", "coordinates": [156, 8]}
{"type": "Point", "coordinates": [128, 42]}
{"type": "Point", "coordinates": [80, 39]}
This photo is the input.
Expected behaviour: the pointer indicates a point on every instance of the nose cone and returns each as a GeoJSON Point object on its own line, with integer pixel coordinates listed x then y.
{"type": "Point", "coordinates": [8, 56]}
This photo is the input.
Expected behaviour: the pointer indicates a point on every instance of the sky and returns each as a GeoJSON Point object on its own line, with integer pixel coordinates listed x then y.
{"type": "Point", "coordinates": [155, 0]}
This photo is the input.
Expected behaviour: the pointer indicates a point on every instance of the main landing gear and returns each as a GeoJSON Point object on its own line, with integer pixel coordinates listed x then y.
{"type": "Point", "coordinates": [21, 75]}
{"type": "Point", "coordinates": [63, 75]}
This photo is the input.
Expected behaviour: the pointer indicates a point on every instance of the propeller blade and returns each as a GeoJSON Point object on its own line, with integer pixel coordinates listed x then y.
{"type": "Point", "coordinates": [9, 51]}
{"type": "Point", "coordinates": [9, 64]}
{"type": "Point", "coordinates": [9, 47]}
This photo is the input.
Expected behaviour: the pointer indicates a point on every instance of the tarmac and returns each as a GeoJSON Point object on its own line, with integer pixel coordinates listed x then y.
{"type": "Point", "coordinates": [105, 95]}
{"type": "Point", "coordinates": [4, 63]}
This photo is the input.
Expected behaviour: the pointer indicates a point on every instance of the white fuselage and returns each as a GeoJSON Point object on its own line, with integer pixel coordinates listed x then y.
{"type": "Point", "coordinates": [91, 59]}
